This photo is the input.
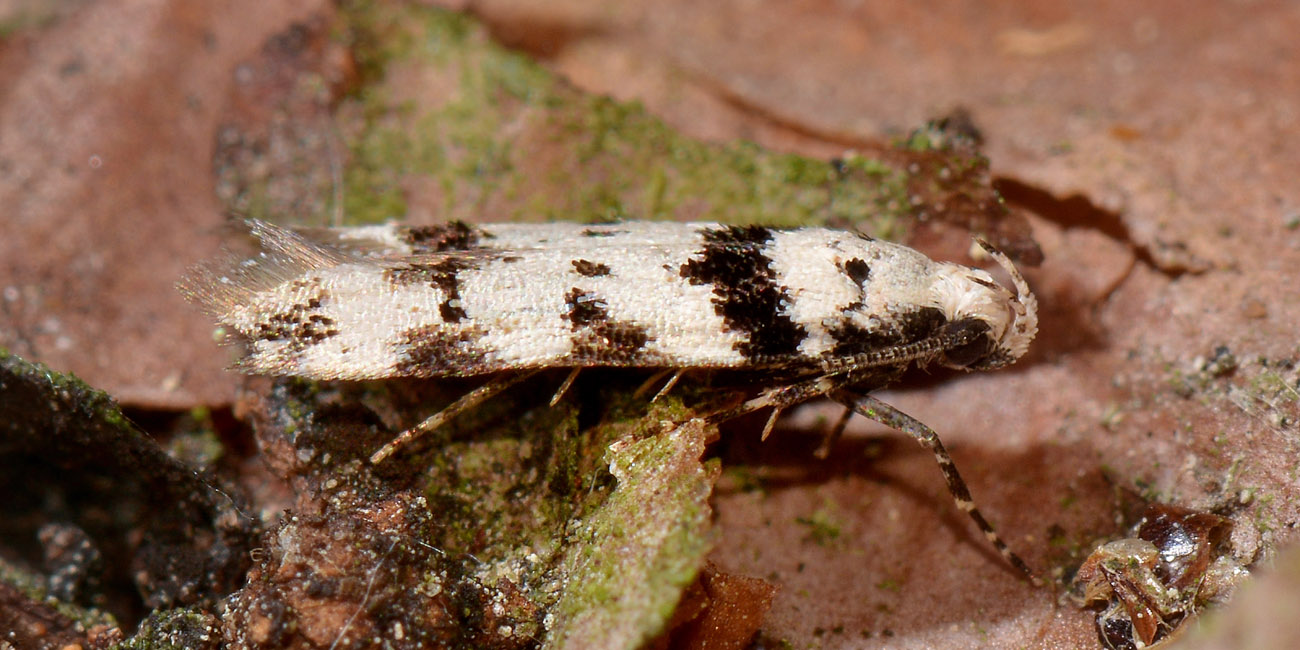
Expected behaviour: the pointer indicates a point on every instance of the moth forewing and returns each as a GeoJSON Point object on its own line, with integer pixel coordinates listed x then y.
{"type": "Point", "coordinates": [832, 311]}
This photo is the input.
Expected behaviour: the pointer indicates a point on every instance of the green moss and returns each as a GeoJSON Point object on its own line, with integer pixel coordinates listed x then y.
{"type": "Point", "coordinates": [515, 491]}
{"type": "Point", "coordinates": [33, 15]}
{"type": "Point", "coordinates": [1148, 491]}
{"type": "Point", "coordinates": [69, 425]}
{"type": "Point", "coordinates": [176, 629]}
{"type": "Point", "coordinates": [1112, 416]}
{"type": "Point", "coordinates": [644, 545]}
{"type": "Point", "coordinates": [509, 142]}
{"type": "Point", "coordinates": [33, 587]}
{"type": "Point", "coordinates": [1268, 390]}
{"type": "Point", "coordinates": [602, 525]}
{"type": "Point", "coordinates": [1271, 385]}
{"type": "Point", "coordinates": [65, 390]}
{"type": "Point", "coordinates": [824, 525]}
{"type": "Point", "coordinates": [745, 478]}
{"type": "Point", "coordinates": [445, 121]}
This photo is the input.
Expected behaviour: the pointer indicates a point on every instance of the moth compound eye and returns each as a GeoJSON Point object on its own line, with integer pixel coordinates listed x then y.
{"type": "Point", "coordinates": [972, 356]}
{"type": "Point", "coordinates": [977, 348]}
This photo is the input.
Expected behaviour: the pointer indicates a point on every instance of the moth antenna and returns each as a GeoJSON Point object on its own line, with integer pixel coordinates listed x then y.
{"type": "Point", "coordinates": [922, 350]}
{"type": "Point", "coordinates": [1026, 303]}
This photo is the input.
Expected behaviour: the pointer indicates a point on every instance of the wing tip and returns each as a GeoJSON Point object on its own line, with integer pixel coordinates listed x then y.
{"type": "Point", "coordinates": [229, 281]}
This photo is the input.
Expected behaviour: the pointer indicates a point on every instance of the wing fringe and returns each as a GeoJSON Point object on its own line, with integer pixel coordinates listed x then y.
{"type": "Point", "coordinates": [219, 285]}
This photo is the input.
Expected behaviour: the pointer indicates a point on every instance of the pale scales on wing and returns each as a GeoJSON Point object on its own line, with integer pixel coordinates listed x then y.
{"type": "Point", "coordinates": [841, 309]}
{"type": "Point", "coordinates": [516, 296]}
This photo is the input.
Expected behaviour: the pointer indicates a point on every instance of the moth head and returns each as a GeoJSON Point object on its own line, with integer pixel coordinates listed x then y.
{"type": "Point", "coordinates": [989, 326]}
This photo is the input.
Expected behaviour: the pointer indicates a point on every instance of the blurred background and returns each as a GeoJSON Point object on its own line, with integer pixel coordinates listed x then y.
{"type": "Point", "coordinates": [1148, 151]}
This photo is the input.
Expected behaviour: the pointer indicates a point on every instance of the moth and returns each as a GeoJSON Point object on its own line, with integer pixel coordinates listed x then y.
{"type": "Point", "coordinates": [831, 313]}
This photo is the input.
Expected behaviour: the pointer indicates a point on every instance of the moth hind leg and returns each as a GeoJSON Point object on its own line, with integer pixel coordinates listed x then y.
{"type": "Point", "coordinates": [650, 382]}
{"type": "Point", "coordinates": [564, 387]}
{"type": "Point", "coordinates": [893, 418]}
{"type": "Point", "coordinates": [672, 381]}
{"type": "Point", "coordinates": [833, 434]}
{"type": "Point", "coordinates": [466, 402]}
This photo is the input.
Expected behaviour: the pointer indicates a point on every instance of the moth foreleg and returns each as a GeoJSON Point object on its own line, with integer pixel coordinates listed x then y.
{"type": "Point", "coordinates": [467, 401]}
{"type": "Point", "coordinates": [779, 398]}
{"type": "Point", "coordinates": [893, 418]}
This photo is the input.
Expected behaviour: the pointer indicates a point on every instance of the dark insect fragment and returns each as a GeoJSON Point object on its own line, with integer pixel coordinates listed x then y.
{"type": "Point", "coordinates": [1146, 586]}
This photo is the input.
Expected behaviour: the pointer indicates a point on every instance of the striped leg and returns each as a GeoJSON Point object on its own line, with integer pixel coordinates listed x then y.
{"type": "Point", "coordinates": [893, 418]}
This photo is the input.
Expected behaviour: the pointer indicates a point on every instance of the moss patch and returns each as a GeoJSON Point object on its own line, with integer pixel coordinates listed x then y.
{"type": "Point", "coordinates": [436, 122]}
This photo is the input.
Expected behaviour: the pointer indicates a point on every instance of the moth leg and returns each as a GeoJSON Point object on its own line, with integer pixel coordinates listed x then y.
{"type": "Point", "coordinates": [672, 381]}
{"type": "Point", "coordinates": [779, 398]}
{"type": "Point", "coordinates": [564, 387]}
{"type": "Point", "coordinates": [771, 422]}
{"type": "Point", "coordinates": [833, 434]}
{"type": "Point", "coordinates": [466, 402]}
{"type": "Point", "coordinates": [645, 385]}
{"type": "Point", "coordinates": [893, 418]}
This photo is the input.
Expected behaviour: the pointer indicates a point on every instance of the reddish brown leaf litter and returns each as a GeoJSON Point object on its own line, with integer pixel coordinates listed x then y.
{"type": "Point", "coordinates": [106, 149]}
{"type": "Point", "coordinates": [722, 611]}
{"type": "Point", "coordinates": [1154, 143]}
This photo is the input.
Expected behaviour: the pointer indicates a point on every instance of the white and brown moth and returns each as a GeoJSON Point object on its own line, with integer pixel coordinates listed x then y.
{"type": "Point", "coordinates": [833, 313]}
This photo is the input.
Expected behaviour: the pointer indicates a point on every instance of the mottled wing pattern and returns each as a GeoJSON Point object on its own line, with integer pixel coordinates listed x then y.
{"type": "Point", "coordinates": [838, 308]}
{"type": "Point", "coordinates": [455, 299]}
